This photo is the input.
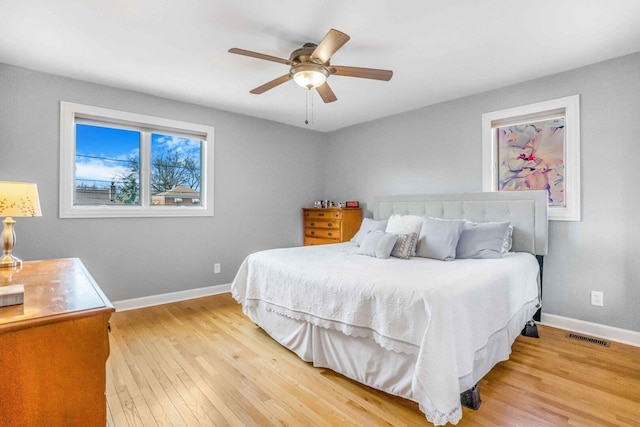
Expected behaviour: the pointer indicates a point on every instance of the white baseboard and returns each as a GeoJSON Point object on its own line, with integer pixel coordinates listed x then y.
{"type": "Point", "coordinates": [132, 304]}
{"type": "Point", "coordinates": [623, 336]}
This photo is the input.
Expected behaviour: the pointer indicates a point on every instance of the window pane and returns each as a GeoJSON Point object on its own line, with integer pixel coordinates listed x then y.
{"type": "Point", "coordinates": [107, 168]}
{"type": "Point", "coordinates": [175, 170]}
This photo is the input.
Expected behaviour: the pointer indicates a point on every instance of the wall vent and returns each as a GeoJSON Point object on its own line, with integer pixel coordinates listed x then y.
{"type": "Point", "coordinates": [591, 340]}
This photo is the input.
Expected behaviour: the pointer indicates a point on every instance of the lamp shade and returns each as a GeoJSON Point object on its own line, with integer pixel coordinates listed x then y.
{"type": "Point", "coordinates": [19, 199]}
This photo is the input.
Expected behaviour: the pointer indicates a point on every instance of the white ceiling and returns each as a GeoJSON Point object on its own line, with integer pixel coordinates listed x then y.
{"type": "Point", "coordinates": [438, 49]}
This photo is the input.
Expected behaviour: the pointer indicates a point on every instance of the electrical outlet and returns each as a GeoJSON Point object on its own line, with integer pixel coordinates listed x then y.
{"type": "Point", "coordinates": [216, 268]}
{"type": "Point", "coordinates": [597, 298]}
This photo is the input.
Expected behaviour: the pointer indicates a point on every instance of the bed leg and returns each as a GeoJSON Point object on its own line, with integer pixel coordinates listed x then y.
{"type": "Point", "coordinates": [536, 316]}
{"type": "Point", "coordinates": [471, 398]}
{"type": "Point", "coordinates": [530, 330]}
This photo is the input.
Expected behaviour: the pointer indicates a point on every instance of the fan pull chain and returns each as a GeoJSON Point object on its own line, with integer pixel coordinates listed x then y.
{"type": "Point", "coordinates": [306, 108]}
{"type": "Point", "coordinates": [306, 115]}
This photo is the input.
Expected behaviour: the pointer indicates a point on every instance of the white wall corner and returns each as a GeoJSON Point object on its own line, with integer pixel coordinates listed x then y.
{"type": "Point", "coordinates": [623, 336]}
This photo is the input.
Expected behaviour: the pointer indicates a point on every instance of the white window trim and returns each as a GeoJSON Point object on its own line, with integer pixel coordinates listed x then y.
{"type": "Point", "coordinates": [69, 112]}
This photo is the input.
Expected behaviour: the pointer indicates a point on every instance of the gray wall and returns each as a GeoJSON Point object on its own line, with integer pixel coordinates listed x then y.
{"type": "Point", "coordinates": [264, 173]}
{"type": "Point", "coordinates": [438, 149]}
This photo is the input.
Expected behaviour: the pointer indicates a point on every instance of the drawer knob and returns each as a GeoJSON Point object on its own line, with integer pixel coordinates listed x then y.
{"type": "Point", "coordinates": [313, 232]}
{"type": "Point", "coordinates": [321, 214]}
{"type": "Point", "coordinates": [330, 234]}
{"type": "Point", "coordinates": [312, 224]}
{"type": "Point", "coordinates": [330, 224]}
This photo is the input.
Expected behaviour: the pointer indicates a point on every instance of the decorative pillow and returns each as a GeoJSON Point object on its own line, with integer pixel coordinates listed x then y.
{"type": "Point", "coordinates": [482, 240]}
{"type": "Point", "coordinates": [438, 238]}
{"type": "Point", "coordinates": [405, 245]}
{"type": "Point", "coordinates": [507, 243]}
{"type": "Point", "coordinates": [405, 224]}
{"type": "Point", "coordinates": [368, 225]}
{"type": "Point", "coordinates": [378, 244]}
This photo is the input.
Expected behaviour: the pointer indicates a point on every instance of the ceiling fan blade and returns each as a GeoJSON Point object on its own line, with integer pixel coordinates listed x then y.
{"type": "Point", "coordinates": [365, 73]}
{"type": "Point", "coordinates": [270, 85]}
{"type": "Point", "coordinates": [329, 45]}
{"type": "Point", "coordinates": [326, 93]}
{"type": "Point", "coordinates": [259, 56]}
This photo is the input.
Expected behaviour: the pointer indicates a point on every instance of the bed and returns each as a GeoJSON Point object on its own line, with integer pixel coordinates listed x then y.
{"type": "Point", "coordinates": [424, 329]}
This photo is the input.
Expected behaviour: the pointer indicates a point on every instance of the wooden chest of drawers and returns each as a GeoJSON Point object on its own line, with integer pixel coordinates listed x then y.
{"type": "Point", "coordinates": [330, 225]}
{"type": "Point", "coordinates": [53, 348]}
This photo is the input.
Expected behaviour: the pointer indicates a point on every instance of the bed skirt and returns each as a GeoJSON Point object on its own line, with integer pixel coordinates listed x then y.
{"type": "Point", "coordinates": [363, 360]}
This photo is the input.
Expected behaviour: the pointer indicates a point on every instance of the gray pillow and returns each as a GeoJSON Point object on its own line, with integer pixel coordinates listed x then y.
{"type": "Point", "coordinates": [438, 238]}
{"type": "Point", "coordinates": [508, 240]}
{"type": "Point", "coordinates": [483, 240]}
{"type": "Point", "coordinates": [378, 244]}
{"type": "Point", "coordinates": [405, 246]}
{"type": "Point", "coordinates": [368, 225]}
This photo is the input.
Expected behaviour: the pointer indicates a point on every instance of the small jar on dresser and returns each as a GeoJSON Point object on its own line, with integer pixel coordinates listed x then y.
{"type": "Point", "coordinates": [330, 225]}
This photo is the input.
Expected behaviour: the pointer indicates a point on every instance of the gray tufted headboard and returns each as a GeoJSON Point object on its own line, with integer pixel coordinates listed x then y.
{"type": "Point", "coordinates": [526, 210]}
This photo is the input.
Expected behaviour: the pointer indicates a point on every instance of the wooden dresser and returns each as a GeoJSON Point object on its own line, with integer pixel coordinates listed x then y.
{"type": "Point", "coordinates": [330, 225]}
{"type": "Point", "coordinates": [53, 348]}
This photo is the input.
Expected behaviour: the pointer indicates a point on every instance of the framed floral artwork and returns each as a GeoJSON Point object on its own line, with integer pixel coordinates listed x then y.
{"type": "Point", "coordinates": [536, 147]}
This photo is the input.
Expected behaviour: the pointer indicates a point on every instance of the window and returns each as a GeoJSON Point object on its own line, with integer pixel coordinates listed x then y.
{"type": "Point", "coordinates": [117, 164]}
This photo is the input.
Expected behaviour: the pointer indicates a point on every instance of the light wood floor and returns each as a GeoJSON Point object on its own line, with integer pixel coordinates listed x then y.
{"type": "Point", "coordinates": [203, 363]}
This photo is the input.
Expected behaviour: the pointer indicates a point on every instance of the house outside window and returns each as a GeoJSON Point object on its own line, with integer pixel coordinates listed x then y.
{"type": "Point", "coordinates": [118, 164]}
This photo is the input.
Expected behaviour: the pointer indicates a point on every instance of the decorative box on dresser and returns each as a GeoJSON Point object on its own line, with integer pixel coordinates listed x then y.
{"type": "Point", "coordinates": [53, 347]}
{"type": "Point", "coordinates": [330, 225]}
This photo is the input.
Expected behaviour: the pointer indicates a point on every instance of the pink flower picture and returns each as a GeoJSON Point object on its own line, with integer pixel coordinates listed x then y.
{"type": "Point", "coordinates": [531, 157]}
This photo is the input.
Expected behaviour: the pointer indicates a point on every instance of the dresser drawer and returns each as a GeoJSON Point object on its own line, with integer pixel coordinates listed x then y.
{"type": "Point", "coordinates": [328, 233]}
{"type": "Point", "coordinates": [321, 223]}
{"type": "Point", "coordinates": [310, 241]}
{"type": "Point", "coordinates": [322, 214]}
{"type": "Point", "coordinates": [322, 226]}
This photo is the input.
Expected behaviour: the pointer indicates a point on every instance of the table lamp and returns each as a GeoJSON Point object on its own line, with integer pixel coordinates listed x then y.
{"type": "Point", "coordinates": [17, 199]}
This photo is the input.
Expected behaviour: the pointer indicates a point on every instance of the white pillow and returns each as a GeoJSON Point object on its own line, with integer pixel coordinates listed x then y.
{"type": "Point", "coordinates": [368, 225]}
{"type": "Point", "coordinates": [378, 244]}
{"type": "Point", "coordinates": [405, 224]}
{"type": "Point", "coordinates": [438, 238]}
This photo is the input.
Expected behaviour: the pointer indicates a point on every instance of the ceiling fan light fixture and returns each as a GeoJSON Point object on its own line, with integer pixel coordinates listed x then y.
{"type": "Point", "coordinates": [309, 75]}
{"type": "Point", "coordinates": [310, 67]}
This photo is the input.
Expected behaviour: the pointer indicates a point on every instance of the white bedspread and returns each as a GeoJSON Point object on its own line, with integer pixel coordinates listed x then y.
{"type": "Point", "coordinates": [442, 311]}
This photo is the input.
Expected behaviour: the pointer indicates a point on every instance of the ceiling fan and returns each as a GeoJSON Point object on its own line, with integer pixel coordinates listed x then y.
{"type": "Point", "coordinates": [310, 66]}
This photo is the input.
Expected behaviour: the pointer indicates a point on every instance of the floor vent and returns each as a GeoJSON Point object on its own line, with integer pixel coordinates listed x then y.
{"type": "Point", "coordinates": [588, 339]}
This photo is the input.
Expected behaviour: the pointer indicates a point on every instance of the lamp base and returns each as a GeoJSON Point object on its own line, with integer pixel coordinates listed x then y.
{"type": "Point", "coordinates": [8, 241]}
{"type": "Point", "coordinates": [8, 260]}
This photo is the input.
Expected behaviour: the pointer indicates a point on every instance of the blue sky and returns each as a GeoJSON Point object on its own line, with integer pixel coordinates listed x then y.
{"type": "Point", "coordinates": [107, 152]}
{"type": "Point", "coordinates": [184, 146]}
{"type": "Point", "coordinates": [103, 154]}
{"type": "Point", "coordinates": [91, 140]}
